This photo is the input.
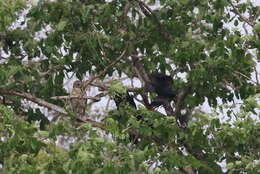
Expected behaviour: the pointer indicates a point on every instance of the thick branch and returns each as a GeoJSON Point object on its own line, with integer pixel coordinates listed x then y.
{"type": "Point", "coordinates": [35, 100]}
{"type": "Point", "coordinates": [48, 105]}
{"type": "Point", "coordinates": [71, 97]}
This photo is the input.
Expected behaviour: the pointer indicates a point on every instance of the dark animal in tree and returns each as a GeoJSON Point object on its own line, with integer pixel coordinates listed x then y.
{"type": "Point", "coordinates": [161, 84]}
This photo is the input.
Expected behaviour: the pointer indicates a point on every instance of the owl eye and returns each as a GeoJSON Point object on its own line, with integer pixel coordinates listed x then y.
{"type": "Point", "coordinates": [77, 84]}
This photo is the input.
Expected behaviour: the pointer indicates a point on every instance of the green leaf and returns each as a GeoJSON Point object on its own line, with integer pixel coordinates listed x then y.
{"type": "Point", "coordinates": [61, 25]}
{"type": "Point", "coordinates": [257, 27]}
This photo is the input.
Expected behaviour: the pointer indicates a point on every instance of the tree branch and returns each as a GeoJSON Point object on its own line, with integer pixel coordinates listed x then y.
{"type": "Point", "coordinates": [139, 69]}
{"type": "Point", "coordinates": [35, 100]}
{"type": "Point", "coordinates": [256, 75]}
{"type": "Point", "coordinates": [49, 106]}
{"type": "Point", "coordinates": [149, 13]}
{"type": "Point", "coordinates": [86, 83]}
{"type": "Point", "coordinates": [96, 98]}
{"type": "Point", "coordinates": [51, 70]}
{"type": "Point", "coordinates": [235, 10]}
{"type": "Point", "coordinates": [180, 99]}
{"type": "Point", "coordinates": [248, 78]}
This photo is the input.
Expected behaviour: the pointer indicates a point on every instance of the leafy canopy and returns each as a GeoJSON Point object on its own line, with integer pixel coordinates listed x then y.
{"type": "Point", "coordinates": [210, 49]}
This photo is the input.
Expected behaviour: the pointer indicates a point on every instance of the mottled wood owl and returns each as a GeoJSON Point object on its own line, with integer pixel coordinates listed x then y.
{"type": "Point", "coordinates": [78, 105]}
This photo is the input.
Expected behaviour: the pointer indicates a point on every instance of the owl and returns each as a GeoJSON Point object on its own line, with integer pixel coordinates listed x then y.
{"type": "Point", "coordinates": [78, 105]}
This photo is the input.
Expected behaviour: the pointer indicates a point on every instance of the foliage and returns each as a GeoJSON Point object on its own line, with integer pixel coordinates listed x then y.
{"type": "Point", "coordinates": [45, 45]}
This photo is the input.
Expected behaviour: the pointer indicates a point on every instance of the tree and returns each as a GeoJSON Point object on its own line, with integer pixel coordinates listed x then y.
{"type": "Point", "coordinates": [209, 48]}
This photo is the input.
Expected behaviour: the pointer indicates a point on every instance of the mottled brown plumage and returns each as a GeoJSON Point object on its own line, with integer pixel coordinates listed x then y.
{"type": "Point", "coordinates": [78, 105]}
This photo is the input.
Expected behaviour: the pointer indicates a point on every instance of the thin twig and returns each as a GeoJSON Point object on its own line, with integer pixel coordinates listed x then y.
{"type": "Point", "coordinates": [248, 78]}
{"type": "Point", "coordinates": [235, 10]}
{"type": "Point", "coordinates": [256, 75]}
{"type": "Point", "coordinates": [226, 84]}
{"type": "Point", "coordinates": [139, 69]}
{"type": "Point", "coordinates": [85, 85]}
{"type": "Point", "coordinates": [149, 13]}
{"type": "Point", "coordinates": [52, 69]}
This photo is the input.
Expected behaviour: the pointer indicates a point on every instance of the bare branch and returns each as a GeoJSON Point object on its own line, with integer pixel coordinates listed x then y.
{"type": "Point", "coordinates": [51, 70]}
{"type": "Point", "coordinates": [226, 84]}
{"type": "Point", "coordinates": [248, 78]}
{"type": "Point", "coordinates": [49, 106]}
{"type": "Point", "coordinates": [35, 100]}
{"type": "Point", "coordinates": [71, 97]}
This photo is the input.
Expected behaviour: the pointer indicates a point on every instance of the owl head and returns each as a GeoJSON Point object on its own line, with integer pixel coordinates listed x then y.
{"type": "Point", "coordinates": [77, 84]}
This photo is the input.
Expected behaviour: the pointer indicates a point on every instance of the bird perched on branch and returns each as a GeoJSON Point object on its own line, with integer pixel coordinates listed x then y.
{"type": "Point", "coordinates": [78, 104]}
